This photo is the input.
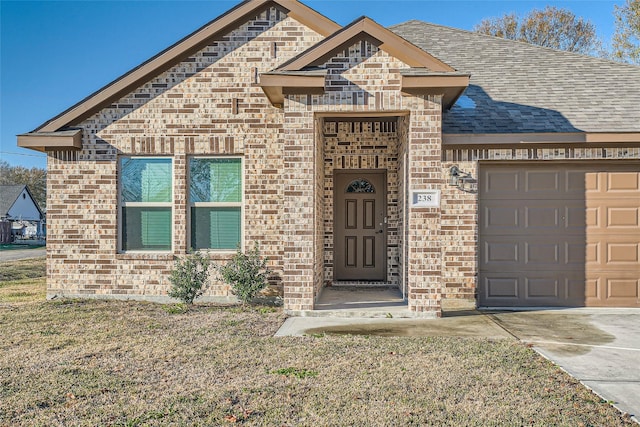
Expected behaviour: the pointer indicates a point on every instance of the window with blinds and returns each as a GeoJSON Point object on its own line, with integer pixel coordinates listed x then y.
{"type": "Point", "coordinates": [146, 195]}
{"type": "Point", "coordinates": [215, 199]}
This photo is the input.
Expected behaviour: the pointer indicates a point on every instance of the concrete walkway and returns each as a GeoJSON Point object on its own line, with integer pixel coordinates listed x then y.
{"type": "Point", "coordinates": [599, 347]}
{"type": "Point", "coordinates": [17, 254]}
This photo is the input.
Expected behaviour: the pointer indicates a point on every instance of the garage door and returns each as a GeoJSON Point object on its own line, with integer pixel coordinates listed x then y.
{"type": "Point", "coordinates": [559, 235]}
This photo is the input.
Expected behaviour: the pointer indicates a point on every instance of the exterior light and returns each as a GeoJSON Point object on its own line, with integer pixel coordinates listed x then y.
{"type": "Point", "coordinates": [454, 176]}
{"type": "Point", "coordinates": [463, 180]}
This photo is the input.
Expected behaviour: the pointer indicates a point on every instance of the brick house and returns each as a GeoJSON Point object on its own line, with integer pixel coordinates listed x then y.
{"type": "Point", "coordinates": [461, 168]}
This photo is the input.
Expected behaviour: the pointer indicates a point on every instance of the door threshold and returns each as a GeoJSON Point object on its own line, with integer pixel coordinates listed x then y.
{"type": "Point", "coordinates": [362, 284]}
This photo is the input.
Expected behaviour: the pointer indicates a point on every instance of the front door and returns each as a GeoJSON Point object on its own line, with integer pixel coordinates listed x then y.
{"type": "Point", "coordinates": [360, 238]}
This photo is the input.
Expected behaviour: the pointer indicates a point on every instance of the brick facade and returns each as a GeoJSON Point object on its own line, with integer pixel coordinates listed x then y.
{"type": "Point", "coordinates": [211, 104]}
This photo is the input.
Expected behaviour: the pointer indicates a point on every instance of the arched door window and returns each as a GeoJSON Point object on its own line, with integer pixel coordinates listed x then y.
{"type": "Point", "coordinates": [360, 185]}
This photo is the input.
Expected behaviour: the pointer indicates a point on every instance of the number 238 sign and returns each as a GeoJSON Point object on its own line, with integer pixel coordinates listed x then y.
{"type": "Point", "coordinates": [425, 198]}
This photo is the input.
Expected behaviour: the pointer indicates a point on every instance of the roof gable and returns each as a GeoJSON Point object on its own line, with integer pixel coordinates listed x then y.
{"type": "Point", "coordinates": [307, 72]}
{"type": "Point", "coordinates": [368, 30]}
{"type": "Point", "coordinates": [181, 50]}
{"type": "Point", "coordinates": [9, 195]}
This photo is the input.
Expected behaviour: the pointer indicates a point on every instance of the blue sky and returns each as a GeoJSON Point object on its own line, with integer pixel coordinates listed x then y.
{"type": "Point", "coordinates": [55, 53]}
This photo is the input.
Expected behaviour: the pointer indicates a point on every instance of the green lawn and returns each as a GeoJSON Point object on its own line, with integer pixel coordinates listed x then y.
{"type": "Point", "coordinates": [132, 364]}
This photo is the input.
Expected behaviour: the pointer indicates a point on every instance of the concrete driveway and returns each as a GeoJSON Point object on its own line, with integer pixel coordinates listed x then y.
{"type": "Point", "coordinates": [599, 347]}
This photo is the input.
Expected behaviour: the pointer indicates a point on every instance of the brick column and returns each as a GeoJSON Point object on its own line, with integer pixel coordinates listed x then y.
{"type": "Point", "coordinates": [180, 193]}
{"type": "Point", "coordinates": [298, 218]}
{"type": "Point", "coordinates": [424, 230]}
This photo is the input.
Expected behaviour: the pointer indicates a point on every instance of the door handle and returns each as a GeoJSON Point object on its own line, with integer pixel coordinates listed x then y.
{"type": "Point", "coordinates": [379, 231]}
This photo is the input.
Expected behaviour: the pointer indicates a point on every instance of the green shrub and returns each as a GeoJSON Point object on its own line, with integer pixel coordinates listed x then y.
{"type": "Point", "coordinates": [246, 274]}
{"type": "Point", "coordinates": [189, 277]}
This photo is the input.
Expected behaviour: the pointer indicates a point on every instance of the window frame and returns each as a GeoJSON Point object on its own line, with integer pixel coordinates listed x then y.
{"type": "Point", "coordinates": [122, 205]}
{"type": "Point", "coordinates": [240, 204]}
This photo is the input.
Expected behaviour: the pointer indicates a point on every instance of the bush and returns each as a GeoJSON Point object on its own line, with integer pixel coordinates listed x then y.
{"type": "Point", "coordinates": [189, 277]}
{"type": "Point", "coordinates": [246, 274]}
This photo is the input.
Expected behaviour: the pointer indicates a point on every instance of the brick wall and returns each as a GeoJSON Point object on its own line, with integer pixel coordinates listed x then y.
{"type": "Point", "coordinates": [209, 104]}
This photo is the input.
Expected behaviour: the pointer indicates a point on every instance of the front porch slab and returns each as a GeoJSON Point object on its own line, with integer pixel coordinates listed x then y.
{"type": "Point", "coordinates": [359, 302]}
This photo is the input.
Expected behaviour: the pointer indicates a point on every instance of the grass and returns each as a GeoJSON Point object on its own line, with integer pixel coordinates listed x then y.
{"type": "Point", "coordinates": [22, 281]}
{"type": "Point", "coordinates": [87, 362]}
{"type": "Point", "coordinates": [31, 268]}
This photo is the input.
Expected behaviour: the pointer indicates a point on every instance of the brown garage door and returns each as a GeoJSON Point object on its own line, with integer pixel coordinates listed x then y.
{"type": "Point", "coordinates": [559, 235]}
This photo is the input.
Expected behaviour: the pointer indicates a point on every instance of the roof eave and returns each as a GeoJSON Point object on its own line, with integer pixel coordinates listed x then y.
{"type": "Point", "coordinates": [52, 141]}
{"type": "Point", "coordinates": [277, 85]}
{"type": "Point", "coordinates": [451, 87]}
{"type": "Point", "coordinates": [540, 138]}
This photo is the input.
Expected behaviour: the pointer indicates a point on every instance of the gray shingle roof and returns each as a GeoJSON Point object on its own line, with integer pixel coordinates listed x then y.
{"type": "Point", "coordinates": [518, 87]}
{"type": "Point", "coordinates": [8, 196]}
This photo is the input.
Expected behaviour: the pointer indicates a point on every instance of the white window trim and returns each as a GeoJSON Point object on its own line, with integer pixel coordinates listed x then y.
{"type": "Point", "coordinates": [122, 204]}
{"type": "Point", "coordinates": [239, 204]}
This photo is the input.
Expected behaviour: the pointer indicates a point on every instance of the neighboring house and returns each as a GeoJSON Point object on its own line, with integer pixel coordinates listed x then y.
{"type": "Point", "coordinates": [18, 206]}
{"type": "Point", "coordinates": [462, 168]}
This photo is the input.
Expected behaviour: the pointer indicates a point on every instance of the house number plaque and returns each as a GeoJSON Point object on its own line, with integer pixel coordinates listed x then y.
{"type": "Point", "coordinates": [425, 198]}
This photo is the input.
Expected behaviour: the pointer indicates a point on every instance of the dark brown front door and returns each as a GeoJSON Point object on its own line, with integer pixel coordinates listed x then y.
{"type": "Point", "coordinates": [360, 238]}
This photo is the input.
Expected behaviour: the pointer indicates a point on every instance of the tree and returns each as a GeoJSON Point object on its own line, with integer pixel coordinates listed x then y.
{"type": "Point", "coordinates": [35, 178]}
{"type": "Point", "coordinates": [626, 40]}
{"type": "Point", "coordinates": [551, 27]}
{"type": "Point", "coordinates": [505, 27]}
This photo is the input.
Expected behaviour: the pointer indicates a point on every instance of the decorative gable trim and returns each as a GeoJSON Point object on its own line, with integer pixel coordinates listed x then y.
{"type": "Point", "coordinates": [181, 50]}
{"type": "Point", "coordinates": [366, 29]}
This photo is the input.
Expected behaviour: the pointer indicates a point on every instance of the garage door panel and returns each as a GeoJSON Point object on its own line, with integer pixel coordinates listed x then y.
{"type": "Point", "coordinates": [500, 184]}
{"type": "Point", "coordinates": [560, 235]}
{"type": "Point", "coordinates": [544, 252]}
{"type": "Point", "coordinates": [622, 253]}
{"type": "Point", "coordinates": [501, 218]}
{"type": "Point", "coordinates": [576, 181]}
{"type": "Point", "coordinates": [541, 287]}
{"type": "Point", "coordinates": [542, 217]}
{"type": "Point", "coordinates": [501, 288]}
{"type": "Point", "coordinates": [626, 182]}
{"type": "Point", "coordinates": [545, 182]}
{"type": "Point", "coordinates": [623, 217]}
{"type": "Point", "coordinates": [593, 217]}
{"type": "Point", "coordinates": [593, 254]}
{"type": "Point", "coordinates": [501, 251]}
{"type": "Point", "coordinates": [593, 181]}
{"type": "Point", "coordinates": [576, 217]}
{"type": "Point", "coordinates": [622, 288]}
